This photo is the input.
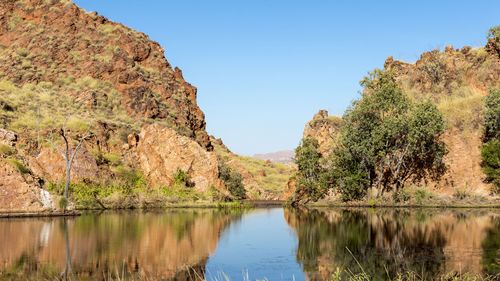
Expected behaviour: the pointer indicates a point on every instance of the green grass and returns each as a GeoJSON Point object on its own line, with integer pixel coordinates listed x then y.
{"type": "Point", "coordinates": [271, 177]}
{"type": "Point", "coordinates": [6, 150]}
{"type": "Point", "coordinates": [18, 165]}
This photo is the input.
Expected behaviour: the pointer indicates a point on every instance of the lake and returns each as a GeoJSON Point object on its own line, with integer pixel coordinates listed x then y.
{"type": "Point", "coordinates": [271, 243]}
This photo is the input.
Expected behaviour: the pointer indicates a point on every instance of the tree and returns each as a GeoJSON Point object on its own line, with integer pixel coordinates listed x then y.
{"type": "Point", "coordinates": [233, 180]}
{"type": "Point", "coordinates": [387, 140]}
{"type": "Point", "coordinates": [494, 32]}
{"type": "Point", "coordinates": [69, 157]}
{"type": "Point", "coordinates": [490, 152]}
{"type": "Point", "coordinates": [492, 116]}
{"type": "Point", "coordinates": [311, 181]}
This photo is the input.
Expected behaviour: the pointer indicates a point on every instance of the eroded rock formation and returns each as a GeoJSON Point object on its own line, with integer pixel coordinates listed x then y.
{"type": "Point", "coordinates": [161, 152]}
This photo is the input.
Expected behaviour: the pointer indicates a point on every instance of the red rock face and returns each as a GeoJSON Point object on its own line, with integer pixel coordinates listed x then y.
{"type": "Point", "coordinates": [55, 40]}
{"type": "Point", "coordinates": [161, 152]}
{"type": "Point", "coordinates": [18, 192]}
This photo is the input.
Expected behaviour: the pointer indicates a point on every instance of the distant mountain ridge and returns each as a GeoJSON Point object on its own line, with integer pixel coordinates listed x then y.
{"type": "Point", "coordinates": [282, 156]}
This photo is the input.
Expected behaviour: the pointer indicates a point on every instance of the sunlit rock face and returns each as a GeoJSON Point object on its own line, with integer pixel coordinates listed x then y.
{"type": "Point", "coordinates": [19, 192]}
{"type": "Point", "coordinates": [161, 152]}
{"type": "Point", "coordinates": [325, 129]}
{"type": "Point", "coordinates": [51, 165]}
{"type": "Point", "coordinates": [146, 245]}
{"type": "Point", "coordinates": [388, 242]}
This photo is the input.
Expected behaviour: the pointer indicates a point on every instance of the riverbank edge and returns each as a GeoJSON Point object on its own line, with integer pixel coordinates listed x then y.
{"type": "Point", "coordinates": [243, 205]}
{"type": "Point", "coordinates": [412, 206]}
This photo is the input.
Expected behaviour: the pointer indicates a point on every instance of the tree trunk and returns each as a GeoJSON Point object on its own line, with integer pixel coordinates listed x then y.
{"type": "Point", "coordinates": [68, 179]}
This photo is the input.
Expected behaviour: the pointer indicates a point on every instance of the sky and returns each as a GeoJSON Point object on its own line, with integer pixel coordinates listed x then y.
{"type": "Point", "coordinates": [263, 68]}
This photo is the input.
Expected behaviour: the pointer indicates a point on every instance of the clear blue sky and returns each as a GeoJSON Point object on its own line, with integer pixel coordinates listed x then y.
{"type": "Point", "coordinates": [264, 67]}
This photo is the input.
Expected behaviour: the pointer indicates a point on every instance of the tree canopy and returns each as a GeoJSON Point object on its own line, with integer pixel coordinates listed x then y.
{"type": "Point", "coordinates": [490, 151]}
{"type": "Point", "coordinates": [386, 141]}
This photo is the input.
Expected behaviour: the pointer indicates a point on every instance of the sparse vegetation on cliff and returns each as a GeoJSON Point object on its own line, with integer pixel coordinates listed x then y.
{"type": "Point", "coordinates": [262, 179]}
{"type": "Point", "coordinates": [232, 180]}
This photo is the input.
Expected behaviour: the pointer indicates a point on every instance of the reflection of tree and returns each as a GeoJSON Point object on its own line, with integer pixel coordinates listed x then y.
{"type": "Point", "coordinates": [67, 267]}
{"type": "Point", "coordinates": [383, 243]}
{"type": "Point", "coordinates": [133, 245]}
{"type": "Point", "coordinates": [491, 249]}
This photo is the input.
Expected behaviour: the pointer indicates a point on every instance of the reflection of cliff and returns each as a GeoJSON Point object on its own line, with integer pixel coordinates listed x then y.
{"type": "Point", "coordinates": [387, 242]}
{"type": "Point", "coordinates": [172, 245]}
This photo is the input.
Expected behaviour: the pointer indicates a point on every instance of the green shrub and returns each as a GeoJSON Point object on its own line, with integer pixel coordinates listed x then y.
{"type": "Point", "coordinates": [352, 187]}
{"type": "Point", "coordinates": [310, 174]}
{"type": "Point", "coordinates": [421, 195]}
{"type": "Point", "coordinates": [112, 158]}
{"type": "Point", "coordinates": [494, 32]}
{"type": "Point", "coordinates": [490, 153]}
{"type": "Point", "coordinates": [130, 178]}
{"type": "Point", "coordinates": [401, 196]}
{"type": "Point", "coordinates": [18, 165]}
{"type": "Point", "coordinates": [461, 193]}
{"type": "Point", "coordinates": [179, 193]}
{"type": "Point", "coordinates": [6, 150]}
{"type": "Point", "coordinates": [233, 180]}
{"type": "Point", "coordinates": [492, 116]}
{"type": "Point", "coordinates": [182, 178]}
{"type": "Point", "coordinates": [63, 203]}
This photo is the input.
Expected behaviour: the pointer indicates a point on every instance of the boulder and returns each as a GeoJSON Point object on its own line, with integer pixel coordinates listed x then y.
{"type": "Point", "coordinates": [162, 151]}
{"type": "Point", "coordinates": [20, 193]}
{"type": "Point", "coordinates": [50, 165]}
{"type": "Point", "coordinates": [7, 137]}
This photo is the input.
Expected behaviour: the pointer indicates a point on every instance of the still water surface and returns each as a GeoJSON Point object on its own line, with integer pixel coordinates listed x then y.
{"type": "Point", "coordinates": [272, 244]}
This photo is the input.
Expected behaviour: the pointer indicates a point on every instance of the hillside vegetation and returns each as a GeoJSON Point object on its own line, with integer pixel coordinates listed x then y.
{"type": "Point", "coordinates": [451, 85]}
{"type": "Point", "coordinates": [262, 179]}
{"type": "Point", "coordinates": [64, 71]}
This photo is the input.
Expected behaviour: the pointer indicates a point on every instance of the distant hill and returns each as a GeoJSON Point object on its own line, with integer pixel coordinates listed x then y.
{"type": "Point", "coordinates": [283, 156]}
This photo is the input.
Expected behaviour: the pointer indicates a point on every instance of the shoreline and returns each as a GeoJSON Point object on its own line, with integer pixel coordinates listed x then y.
{"type": "Point", "coordinates": [240, 205]}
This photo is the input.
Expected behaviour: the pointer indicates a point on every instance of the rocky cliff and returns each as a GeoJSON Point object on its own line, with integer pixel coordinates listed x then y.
{"type": "Point", "coordinates": [456, 80]}
{"type": "Point", "coordinates": [61, 67]}
{"type": "Point", "coordinates": [324, 129]}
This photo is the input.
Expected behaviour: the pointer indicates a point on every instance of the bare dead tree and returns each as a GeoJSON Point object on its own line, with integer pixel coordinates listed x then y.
{"type": "Point", "coordinates": [69, 156]}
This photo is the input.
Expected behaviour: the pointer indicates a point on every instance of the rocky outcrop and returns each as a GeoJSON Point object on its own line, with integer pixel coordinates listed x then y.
{"type": "Point", "coordinates": [457, 81]}
{"type": "Point", "coordinates": [7, 137]}
{"type": "Point", "coordinates": [161, 152]}
{"type": "Point", "coordinates": [324, 129]}
{"type": "Point", "coordinates": [91, 75]}
{"type": "Point", "coordinates": [56, 41]}
{"type": "Point", "coordinates": [50, 165]}
{"type": "Point", "coordinates": [20, 192]}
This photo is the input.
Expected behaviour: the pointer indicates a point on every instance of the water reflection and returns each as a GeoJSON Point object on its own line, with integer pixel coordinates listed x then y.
{"type": "Point", "coordinates": [277, 243]}
{"type": "Point", "coordinates": [173, 245]}
{"type": "Point", "coordinates": [385, 242]}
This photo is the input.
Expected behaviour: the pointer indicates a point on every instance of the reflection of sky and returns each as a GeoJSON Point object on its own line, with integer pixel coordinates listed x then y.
{"type": "Point", "coordinates": [261, 244]}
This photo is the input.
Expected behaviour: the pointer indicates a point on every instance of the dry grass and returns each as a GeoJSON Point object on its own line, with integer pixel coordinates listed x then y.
{"type": "Point", "coordinates": [46, 106]}
{"type": "Point", "coordinates": [270, 177]}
